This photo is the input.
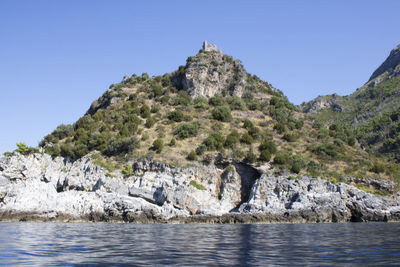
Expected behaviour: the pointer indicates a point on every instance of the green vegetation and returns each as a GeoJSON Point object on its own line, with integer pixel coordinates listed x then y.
{"type": "Point", "coordinates": [196, 185]}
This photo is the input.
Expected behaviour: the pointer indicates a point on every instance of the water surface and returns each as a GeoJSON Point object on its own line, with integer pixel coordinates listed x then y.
{"type": "Point", "coordinates": [73, 244]}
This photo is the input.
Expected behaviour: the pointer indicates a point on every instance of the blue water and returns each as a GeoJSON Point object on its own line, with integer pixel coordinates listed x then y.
{"type": "Point", "coordinates": [60, 244]}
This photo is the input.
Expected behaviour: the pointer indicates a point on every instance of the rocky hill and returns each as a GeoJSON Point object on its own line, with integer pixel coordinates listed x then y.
{"type": "Point", "coordinates": [373, 111]}
{"type": "Point", "coordinates": [207, 142]}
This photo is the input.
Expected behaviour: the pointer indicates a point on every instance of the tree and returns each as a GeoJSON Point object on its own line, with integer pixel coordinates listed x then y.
{"type": "Point", "coordinates": [222, 113]}
{"type": "Point", "coordinates": [158, 145]}
{"type": "Point", "coordinates": [128, 170]}
{"type": "Point", "coordinates": [22, 148]}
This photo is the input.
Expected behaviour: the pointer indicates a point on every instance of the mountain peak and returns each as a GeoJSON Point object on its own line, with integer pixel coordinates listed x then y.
{"type": "Point", "coordinates": [389, 65]}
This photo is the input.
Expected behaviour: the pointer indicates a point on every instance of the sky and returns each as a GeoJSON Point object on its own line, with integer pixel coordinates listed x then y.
{"type": "Point", "coordinates": [57, 57]}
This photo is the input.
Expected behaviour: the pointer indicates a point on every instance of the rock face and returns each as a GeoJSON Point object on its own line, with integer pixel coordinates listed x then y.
{"type": "Point", "coordinates": [321, 103]}
{"type": "Point", "coordinates": [36, 187]}
{"type": "Point", "coordinates": [390, 66]}
{"type": "Point", "coordinates": [210, 73]}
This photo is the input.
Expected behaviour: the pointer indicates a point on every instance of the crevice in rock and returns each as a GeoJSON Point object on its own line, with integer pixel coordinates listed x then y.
{"type": "Point", "coordinates": [248, 175]}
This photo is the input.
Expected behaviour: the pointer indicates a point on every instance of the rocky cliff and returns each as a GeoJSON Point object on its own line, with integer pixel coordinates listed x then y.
{"type": "Point", "coordinates": [36, 187]}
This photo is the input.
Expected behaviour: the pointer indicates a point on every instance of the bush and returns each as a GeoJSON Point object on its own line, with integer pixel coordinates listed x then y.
{"type": "Point", "coordinates": [377, 168]}
{"type": "Point", "coordinates": [67, 151]}
{"type": "Point", "coordinates": [187, 130]}
{"type": "Point", "coordinates": [196, 185]}
{"type": "Point", "coordinates": [246, 139]}
{"type": "Point", "coordinates": [128, 170]}
{"type": "Point", "coordinates": [250, 157]}
{"type": "Point", "coordinates": [158, 145]}
{"type": "Point", "coordinates": [265, 155]}
{"type": "Point", "coordinates": [201, 149]}
{"type": "Point", "coordinates": [254, 132]}
{"type": "Point", "coordinates": [22, 148]}
{"type": "Point", "coordinates": [268, 146]}
{"type": "Point", "coordinates": [145, 111]}
{"type": "Point", "coordinates": [192, 155]}
{"type": "Point", "coordinates": [222, 113]}
{"type": "Point", "coordinates": [216, 101]}
{"type": "Point", "coordinates": [326, 149]}
{"type": "Point", "coordinates": [232, 139]}
{"type": "Point", "coordinates": [214, 141]}
{"type": "Point", "coordinates": [173, 142]}
{"type": "Point", "coordinates": [248, 124]}
{"type": "Point", "coordinates": [351, 141]}
{"type": "Point", "coordinates": [289, 137]}
{"type": "Point", "coordinates": [295, 168]}
{"type": "Point", "coordinates": [201, 103]}
{"type": "Point", "coordinates": [280, 128]}
{"type": "Point", "coordinates": [117, 146]}
{"type": "Point", "coordinates": [176, 115]}
{"type": "Point", "coordinates": [236, 103]}
{"type": "Point", "coordinates": [150, 122]}
{"type": "Point", "coordinates": [155, 108]}
{"type": "Point", "coordinates": [281, 158]}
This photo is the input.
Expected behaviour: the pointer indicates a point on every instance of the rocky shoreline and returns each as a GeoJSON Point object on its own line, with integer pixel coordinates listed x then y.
{"type": "Point", "coordinates": [38, 188]}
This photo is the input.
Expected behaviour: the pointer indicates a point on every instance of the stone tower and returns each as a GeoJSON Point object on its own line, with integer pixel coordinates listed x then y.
{"type": "Point", "coordinates": [210, 47]}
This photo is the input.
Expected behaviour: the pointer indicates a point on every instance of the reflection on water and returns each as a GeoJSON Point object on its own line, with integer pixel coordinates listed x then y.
{"type": "Point", "coordinates": [126, 244]}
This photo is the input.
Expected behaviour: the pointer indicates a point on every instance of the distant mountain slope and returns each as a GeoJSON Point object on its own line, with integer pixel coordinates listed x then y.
{"type": "Point", "coordinates": [373, 110]}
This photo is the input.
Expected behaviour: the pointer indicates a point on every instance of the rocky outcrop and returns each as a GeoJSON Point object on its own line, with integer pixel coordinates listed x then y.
{"type": "Point", "coordinates": [37, 187]}
{"type": "Point", "coordinates": [322, 103]}
{"type": "Point", "coordinates": [390, 66]}
{"type": "Point", "coordinates": [210, 73]}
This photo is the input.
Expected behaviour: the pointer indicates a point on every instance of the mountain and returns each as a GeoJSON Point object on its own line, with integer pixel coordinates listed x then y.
{"type": "Point", "coordinates": [209, 108]}
{"type": "Point", "coordinates": [210, 142]}
{"type": "Point", "coordinates": [373, 111]}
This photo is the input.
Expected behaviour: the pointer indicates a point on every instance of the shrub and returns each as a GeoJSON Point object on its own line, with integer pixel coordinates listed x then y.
{"type": "Point", "coordinates": [232, 139]}
{"type": "Point", "coordinates": [295, 168]}
{"type": "Point", "coordinates": [22, 148]}
{"type": "Point", "coordinates": [187, 130]}
{"type": "Point", "coordinates": [326, 149]}
{"type": "Point", "coordinates": [280, 128]}
{"type": "Point", "coordinates": [250, 157]}
{"type": "Point", "coordinates": [265, 155]}
{"type": "Point", "coordinates": [222, 113]}
{"type": "Point", "coordinates": [192, 155]}
{"type": "Point", "coordinates": [377, 168]}
{"type": "Point", "coordinates": [214, 141]}
{"type": "Point", "coordinates": [338, 142]}
{"type": "Point", "coordinates": [176, 115]}
{"type": "Point", "coordinates": [157, 89]}
{"type": "Point", "coordinates": [201, 149]}
{"type": "Point", "coordinates": [201, 103]}
{"type": "Point", "coordinates": [268, 146]}
{"type": "Point", "coordinates": [128, 170]}
{"type": "Point", "coordinates": [155, 108]}
{"type": "Point", "coordinates": [80, 150]}
{"type": "Point", "coordinates": [351, 141]}
{"type": "Point", "coordinates": [67, 151]}
{"type": "Point", "coordinates": [196, 185]}
{"type": "Point", "coordinates": [216, 101]}
{"type": "Point", "coordinates": [254, 132]}
{"type": "Point", "coordinates": [236, 103]}
{"type": "Point", "coordinates": [117, 146]}
{"type": "Point", "coordinates": [299, 124]}
{"type": "Point", "coordinates": [246, 139]}
{"type": "Point", "coordinates": [289, 137]}
{"type": "Point", "coordinates": [248, 124]}
{"type": "Point", "coordinates": [281, 158]}
{"type": "Point", "coordinates": [158, 145]}
{"type": "Point", "coordinates": [173, 142]}
{"type": "Point", "coordinates": [145, 111]}
{"type": "Point", "coordinates": [150, 122]}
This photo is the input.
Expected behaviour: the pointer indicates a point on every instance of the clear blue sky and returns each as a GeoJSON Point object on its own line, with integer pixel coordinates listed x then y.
{"type": "Point", "coordinates": [56, 57]}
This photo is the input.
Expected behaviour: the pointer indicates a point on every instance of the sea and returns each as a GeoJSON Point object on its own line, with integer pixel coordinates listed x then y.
{"type": "Point", "coordinates": [107, 244]}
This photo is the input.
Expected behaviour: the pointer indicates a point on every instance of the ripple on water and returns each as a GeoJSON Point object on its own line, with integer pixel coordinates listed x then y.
{"type": "Point", "coordinates": [72, 244]}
